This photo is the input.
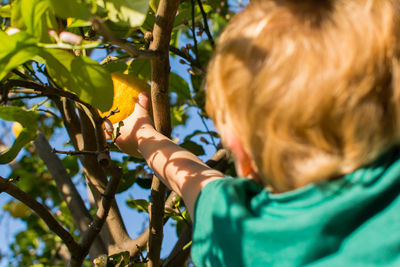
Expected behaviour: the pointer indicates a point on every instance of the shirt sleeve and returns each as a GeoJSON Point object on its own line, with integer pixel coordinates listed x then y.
{"type": "Point", "coordinates": [219, 209]}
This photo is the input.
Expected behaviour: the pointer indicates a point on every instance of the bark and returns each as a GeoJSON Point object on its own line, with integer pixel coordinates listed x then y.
{"type": "Point", "coordinates": [160, 69]}
{"type": "Point", "coordinates": [68, 192]}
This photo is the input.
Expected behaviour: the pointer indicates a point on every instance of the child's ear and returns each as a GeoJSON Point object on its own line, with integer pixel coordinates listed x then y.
{"type": "Point", "coordinates": [244, 163]}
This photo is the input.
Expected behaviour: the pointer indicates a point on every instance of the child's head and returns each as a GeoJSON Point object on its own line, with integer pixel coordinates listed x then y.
{"type": "Point", "coordinates": [311, 87]}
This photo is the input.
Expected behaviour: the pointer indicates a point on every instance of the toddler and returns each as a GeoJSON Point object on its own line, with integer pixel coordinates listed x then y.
{"type": "Point", "coordinates": [306, 93]}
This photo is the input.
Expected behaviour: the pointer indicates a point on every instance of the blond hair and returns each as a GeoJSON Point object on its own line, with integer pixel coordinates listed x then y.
{"type": "Point", "coordinates": [312, 87]}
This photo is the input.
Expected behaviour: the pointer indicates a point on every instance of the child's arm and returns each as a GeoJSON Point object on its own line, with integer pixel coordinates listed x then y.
{"type": "Point", "coordinates": [179, 169]}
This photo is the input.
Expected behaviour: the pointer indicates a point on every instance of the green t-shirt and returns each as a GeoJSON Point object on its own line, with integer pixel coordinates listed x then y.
{"type": "Point", "coordinates": [352, 221]}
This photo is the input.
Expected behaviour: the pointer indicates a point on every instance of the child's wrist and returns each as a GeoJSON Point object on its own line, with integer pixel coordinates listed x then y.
{"type": "Point", "coordinates": [144, 131]}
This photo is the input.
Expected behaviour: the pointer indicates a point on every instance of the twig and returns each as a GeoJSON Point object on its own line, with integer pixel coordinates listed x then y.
{"type": "Point", "coordinates": [193, 29]}
{"type": "Point", "coordinates": [24, 97]}
{"type": "Point", "coordinates": [50, 113]}
{"type": "Point", "coordinates": [193, 63]}
{"type": "Point", "coordinates": [43, 89]}
{"type": "Point", "coordinates": [42, 212]}
{"type": "Point", "coordinates": [82, 152]}
{"type": "Point", "coordinates": [20, 74]}
{"type": "Point", "coordinates": [31, 72]}
{"type": "Point", "coordinates": [98, 25]}
{"type": "Point", "coordinates": [206, 28]}
{"type": "Point", "coordinates": [207, 129]}
{"type": "Point", "coordinates": [113, 112]}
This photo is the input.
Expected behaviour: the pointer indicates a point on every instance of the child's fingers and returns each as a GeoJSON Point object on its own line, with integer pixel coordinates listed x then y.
{"type": "Point", "coordinates": [142, 103]}
{"type": "Point", "coordinates": [109, 129]}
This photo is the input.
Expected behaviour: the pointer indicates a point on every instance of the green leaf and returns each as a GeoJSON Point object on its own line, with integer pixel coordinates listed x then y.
{"type": "Point", "coordinates": [185, 215]}
{"type": "Point", "coordinates": [78, 23]}
{"type": "Point", "coordinates": [71, 8]}
{"type": "Point", "coordinates": [154, 5]}
{"type": "Point", "coordinates": [5, 11]}
{"type": "Point", "coordinates": [81, 75]}
{"type": "Point", "coordinates": [138, 204]}
{"type": "Point", "coordinates": [178, 115]}
{"type": "Point", "coordinates": [148, 23]}
{"type": "Point", "coordinates": [128, 179]}
{"type": "Point", "coordinates": [205, 49]}
{"type": "Point", "coordinates": [193, 147]}
{"type": "Point", "coordinates": [198, 132]}
{"type": "Point", "coordinates": [35, 17]}
{"type": "Point", "coordinates": [117, 66]}
{"type": "Point", "coordinates": [28, 119]}
{"type": "Point", "coordinates": [15, 50]}
{"type": "Point", "coordinates": [71, 164]}
{"type": "Point", "coordinates": [127, 11]}
{"type": "Point", "coordinates": [178, 85]}
{"type": "Point", "coordinates": [119, 259]}
{"type": "Point", "coordinates": [144, 183]}
{"type": "Point", "coordinates": [140, 68]}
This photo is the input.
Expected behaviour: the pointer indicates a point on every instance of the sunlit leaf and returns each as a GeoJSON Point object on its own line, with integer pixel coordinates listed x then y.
{"type": "Point", "coordinates": [127, 11]}
{"type": "Point", "coordinates": [71, 8]}
{"type": "Point", "coordinates": [74, 22]}
{"type": "Point", "coordinates": [178, 115]}
{"type": "Point", "coordinates": [15, 50]}
{"type": "Point", "coordinates": [28, 119]}
{"type": "Point", "coordinates": [71, 164]}
{"type": "Point", "coordinates": [140, 68]}
{"type": "Point", "coordinates": [81, 75]}
{"type": "Point", "coordinates": [35, 17]}
{"type": "Point", "coordinates": [5, 11]}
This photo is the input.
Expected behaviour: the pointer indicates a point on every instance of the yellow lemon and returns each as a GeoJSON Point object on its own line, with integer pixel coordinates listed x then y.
{"type": "Point", "coordinates": [126, 91]}
{"type": "Point", "coordinates": [16, 128]}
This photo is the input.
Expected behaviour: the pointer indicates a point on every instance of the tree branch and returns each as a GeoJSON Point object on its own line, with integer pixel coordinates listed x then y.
{"type": "Point", "coordinates": [116, 231]}
{"type": "Point", "coordinates": [42, 212]}
{"type": "Point", "coordinates": [178, 255]}
{"type": "Point", "coordinates": [99, 26]}
{"type": "Point", "coordinates": [68, 191]}
{"type": "Point", "coordinates": [82, 134]}
{"type": "Point", "coordinates": [206, 28]}
{"type": "Point", "coordinates": [160, 69]}
{"type": "Point", "coordinates": [71, 121]}
{"type": "Point", "coordinates": [102, 212]}
{"type": "Point", "coordinates": [138, 244]}
{"type": "Point", "coordinates": [43, 89]}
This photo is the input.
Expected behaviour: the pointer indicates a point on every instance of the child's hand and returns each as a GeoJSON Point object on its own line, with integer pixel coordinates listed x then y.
{"type": "Point", "coordinates": [179, 169]}
{"type": "Point", "coordinates": [139, 120]}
